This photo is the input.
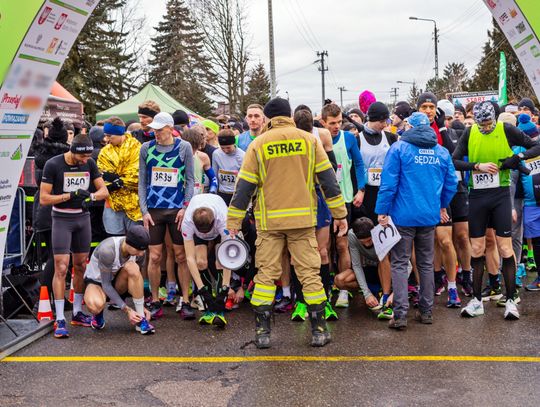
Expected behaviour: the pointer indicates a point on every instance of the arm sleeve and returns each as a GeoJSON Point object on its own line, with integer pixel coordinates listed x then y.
{"type": "Point", "coordinates": [517, 138]}
{"type": "Point", "coordinates": [356, 261]}
{"type": "Point", "coordinates": [514, 179]}
{"type": "Point", "coordinates": [356, 157]}
{"type": "Point", "coordinates": [212, 179]}
{"type": "Point", "coordinates": [462, 151]}
{"type": "Point", "coordinates": [106, 260]}
{"type": "Point", "coordinates": [332, 157]}
{"type": "Point", "coordinates": [246, 185]}
{"type": "Point", "coordinates": [329, 185]}
{"type": "Point", "coordinates": [94, 170]}
{"type": "Point", "coordinates": [450, 184]}
{"type": "Point", "coordinates": [447, 141]}
{"type": "Point", "coordinates": [186, 154]}
{"type": "Point", "coordinates": [143, 178]}
{"type": "Point", "coordinates": [389, 181]}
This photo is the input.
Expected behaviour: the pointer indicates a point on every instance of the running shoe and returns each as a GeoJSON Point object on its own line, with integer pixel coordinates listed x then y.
{"type": "Point", "coordinates": [511, 312]}
{"type": "Point", "coordinates": [493, 294]}
{"type": "Point", "coordinates": [534, 286]}
{"type": "Point", "coordinates": [219, 320]}
{"type": "Point", "coordinates": [502, 301]}
{"type": "Point", "coordinates": [171, 299]}
{"type": "Point", "coordinates": [466, 288]}
{"type": "Point", "coordinates": [386, 313]}
{"type": "Point", "coordinates": [343, 299]}
{"type": "Point", "coordinates": [162, 293]}
{"type": "Point", "coordinates": [98, 321]}
{"type": "Point", "coordinates": [198, 303]}
{"type": "Point", "coordinates": [284, 305]}
{"type": "Point", "coordinates": [520, 275]}
{"type": "Point", "coordinates": [81, 319]}
{"type": "Point", "coordinates": [453, 299]}
{"type": "Point", "coordinates": [424, 317]}
{"type": "Point", "coordinates": [60, 330]}
{"type": "Point", "coordinates": [145, 327]}
{"type": "Point", "coordinates": [187, 313]}
{"type": "Point", "coordinates": [300, 312]}
{"type": "Point", "coordinates": [329, 313]}
{"type": "Point", "coordinates": [112, 306]}
{"type": "Point", "coordinates": [229, 304]}
{"type": "Point", "coordinates": [156, 311]}
{"type": "Point", "coordinates": [530, 265]}
{"type": "Point", "coordinates": [206, 318]}
{"type": "Point", "coordinates": [440, 286]}
{"type": "Point", "coordinates": [474, 308]}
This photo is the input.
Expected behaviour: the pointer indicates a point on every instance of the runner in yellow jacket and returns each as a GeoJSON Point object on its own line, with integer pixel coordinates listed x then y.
{"type": "Point", "coordinates": [283, 164]}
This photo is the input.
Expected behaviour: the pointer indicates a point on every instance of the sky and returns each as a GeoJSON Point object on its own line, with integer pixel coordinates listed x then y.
{"type": "Point", "coordinates": [371, 44]}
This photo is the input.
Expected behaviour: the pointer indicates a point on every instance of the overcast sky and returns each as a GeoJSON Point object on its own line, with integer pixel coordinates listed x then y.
{"type": "Point", "coordinates": [371, 44]}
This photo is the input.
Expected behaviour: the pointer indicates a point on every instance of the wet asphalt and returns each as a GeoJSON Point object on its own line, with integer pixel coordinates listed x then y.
{"type": "Point", "coordinates": [288, 383]}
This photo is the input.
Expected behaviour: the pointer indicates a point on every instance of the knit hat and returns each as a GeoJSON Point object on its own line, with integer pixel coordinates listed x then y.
{"type": "Point", "coordinates": [210, 124]}
{"type": "Point", "coordinates": [418, 119]}
{"type": "Point", "coordinates": [81, 144]}
{"type": "Point", "coordinates": [526, 126]}
{"type": "Point", "coordinates": [460, 108]}
{"type": "Point", "coordinates": [277, 107]}
{"type": "Point", "coordinates": [377, 112]}
{"type": "Point", "coordinates": [58, 132]}
{"type": "Point", "coordinates": [483, 111]}
{"type": "Point", "coordinates": [180, 117]}
{"type": "Point", "coordinates": [365, 100]}
{"type": "Point", "coordinates": [447, 107]}
{"type": "Point", "coordinates": [528, 103]}
{"type": "Point", "coordinates": [426, 97]}
{"type": "Point", "coordinates": [403, 110]}
{"type": "Point", "coordinates": [96, 135]}
{"type": "Point", "coordinates": [137, 237]}
{"type": "Point", "coordinates": [507, 117]}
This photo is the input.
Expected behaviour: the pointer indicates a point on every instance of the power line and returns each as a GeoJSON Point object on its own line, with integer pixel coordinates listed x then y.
{"type": "Point", "coordinates": [296, 25]}
{"type": "Point", "coordinates": [306, 25]}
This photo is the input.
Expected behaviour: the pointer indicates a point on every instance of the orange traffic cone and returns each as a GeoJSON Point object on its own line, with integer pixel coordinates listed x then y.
{"type": "Point", "coordinates": [71, 289]}
{"type": "Point", "coordinates": [44, 309]}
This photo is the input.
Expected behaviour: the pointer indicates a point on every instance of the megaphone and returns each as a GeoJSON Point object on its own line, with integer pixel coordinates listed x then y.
{"type": "Point", "coordinates": [233, 254]}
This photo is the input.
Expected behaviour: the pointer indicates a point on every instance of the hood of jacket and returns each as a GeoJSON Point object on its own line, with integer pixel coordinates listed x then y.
{"type": "Point", "coordinates": [47, 150]}
{"type": "Point", "coordinates": [421, 136]}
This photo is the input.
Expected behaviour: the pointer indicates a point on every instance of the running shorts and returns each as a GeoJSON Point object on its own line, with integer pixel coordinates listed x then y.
{"type": "Point", "coordinates": [71, 232]}
{"type": "Point", "coordinates": [324, 216]}
{"type": "Point", "coordinates": [459, 207]}
{"type": "Point", "coordinates": [490, 208]}
{"type": "Point", "coordinates": [164, 218]}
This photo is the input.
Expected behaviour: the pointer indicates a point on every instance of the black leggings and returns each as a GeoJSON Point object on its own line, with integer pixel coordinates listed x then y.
{"type": "Point", "coordinates": [536, 251]}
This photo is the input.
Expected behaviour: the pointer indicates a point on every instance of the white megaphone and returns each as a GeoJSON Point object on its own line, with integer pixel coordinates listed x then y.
{"type": "Point", "coordinates": [233, 254]}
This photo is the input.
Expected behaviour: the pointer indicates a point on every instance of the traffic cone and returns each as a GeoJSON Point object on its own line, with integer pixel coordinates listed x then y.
{"type": "Point", "coordinates": [71, 289]}
{"type": "Point", "coordinates": [44, 308]}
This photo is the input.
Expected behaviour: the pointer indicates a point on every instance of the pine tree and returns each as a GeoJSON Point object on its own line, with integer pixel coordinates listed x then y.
{"type": "Point", "coordinates": [258, 87]}
{"type": "Point", "coordinates": [96, 70]}
{"type": "Point", "coordinates": [413, 94]}
{"type": "Point", "coordinates": [177, 63]}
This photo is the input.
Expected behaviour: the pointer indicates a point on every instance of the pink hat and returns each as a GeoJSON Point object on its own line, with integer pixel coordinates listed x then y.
{"type": "Point", "coordinates": [365, 99]}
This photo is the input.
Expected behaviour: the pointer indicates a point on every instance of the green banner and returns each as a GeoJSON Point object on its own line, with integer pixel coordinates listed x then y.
{"type": "Point", "coordinates": [503, 96]}
{"type": "Point", "coordinates": [15, 18]}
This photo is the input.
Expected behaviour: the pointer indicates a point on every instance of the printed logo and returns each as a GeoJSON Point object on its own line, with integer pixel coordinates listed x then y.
{"type": "Point", "coordinates": [44, 14]}
{"type": "Point", "coordinates": [60, 21]}
{"type": "Point", "coordinates": [491, 4]}
{"type": "Point", "coordinates": [4, 198]}
{"type": "Point", "coordinates": [15, 118]}
{"type": "Point", "coordinates": [17, 154]}
{"type": "Point", "coordinates": [10, 101]}
{"type": "Point", "coordinates": [513, 12]}
{"type": "Point", "coordinates": [426, 151]}
{"type": "Point", "coordinates": [52, 45]}
{"type": "Point", "coordinates": [5, 183]}
{"type": "Point", "coordinates": [31, 103]}
{"type": "Point", "coordinates": [521, 27]}
{"type": "Point", "coordinates": [503, 19]}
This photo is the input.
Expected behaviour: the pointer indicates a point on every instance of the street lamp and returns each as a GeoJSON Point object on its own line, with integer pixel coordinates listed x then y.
{"type": "Point", "coordinates": [436, 38]}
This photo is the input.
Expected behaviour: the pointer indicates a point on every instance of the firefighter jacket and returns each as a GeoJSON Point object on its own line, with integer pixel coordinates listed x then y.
{"type": "Point", "coordinates": [283, 164]}
{"type": "Point", "coordinates": [123, 160]}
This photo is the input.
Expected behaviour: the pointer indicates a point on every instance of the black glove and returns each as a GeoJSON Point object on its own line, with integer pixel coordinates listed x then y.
{"type": "Point", "coordinates": [510, 163]}
{"type": "Point", "coordinates": [115, 185]}
{"type": "Point", "coordinates": [208, 299]}
{"type": "Point", "coordinates": [110, 176]}
{"type": "Point", "coordinates": [80, 194]}
{"type": "Point", "coordinates": [86, 204]}
{"type": "Point", "coordinates": [221, 297]}
{"type": "Point", "coordinates": [440, 117]}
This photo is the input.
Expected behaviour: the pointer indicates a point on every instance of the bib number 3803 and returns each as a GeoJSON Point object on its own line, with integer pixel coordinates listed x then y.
{"type": "Point", "coordinates": [482, 180]}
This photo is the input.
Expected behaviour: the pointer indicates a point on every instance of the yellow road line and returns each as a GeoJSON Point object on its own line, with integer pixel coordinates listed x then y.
{"type": "Point", "coordinates": [251, 359]}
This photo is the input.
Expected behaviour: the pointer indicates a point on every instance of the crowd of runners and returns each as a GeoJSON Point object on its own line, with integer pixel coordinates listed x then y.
{"type": "Point", "coordinates": [460, 185]}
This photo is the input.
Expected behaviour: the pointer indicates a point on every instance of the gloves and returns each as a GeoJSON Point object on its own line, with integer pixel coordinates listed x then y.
{"type": "Point", "coordinates": [207, 298]}
{"type": "Point", "coordinates": [110, 176]}
{"type": "Point", "coordinates": [115, 185]}
{"type": "Point", "coordinates": [86, 204]}
{"type": "Point", "coordinates": [510, 163]}
{"type": "Point", "coordinates": [440, 117]}
{"type": "Point", "coordinates": [79, 194]}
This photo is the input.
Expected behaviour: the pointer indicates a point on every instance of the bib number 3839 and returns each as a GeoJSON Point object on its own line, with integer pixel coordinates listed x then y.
{"type": "Point", "coordinates": [482, 180]}
{"type": "Point", "coordinates": [164, 177]}
{"type": "Point", "coordinates": [374, 177]}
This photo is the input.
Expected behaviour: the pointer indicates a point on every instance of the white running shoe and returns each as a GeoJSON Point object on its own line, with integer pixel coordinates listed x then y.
{"type": "Point", "coordinates": [511, 312]}
{"type": "Point", "coordinates": [473, 309]}
{"type": "Point", "coordinates": [343, 299]}
{"type": "Point", "coordinates": [198, 303]}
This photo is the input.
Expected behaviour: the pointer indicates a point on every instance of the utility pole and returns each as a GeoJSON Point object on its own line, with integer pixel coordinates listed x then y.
{"type": "Point", "coordinates": [394, 94]}
{"type": "Point", "coordinates": [341, 90]}
{"type": "Point", "coordinates": [271, 47]}
{"type": "Point", "coordinates": [436, 35]}
{"type": "Point", "coordinates": [323, 69]}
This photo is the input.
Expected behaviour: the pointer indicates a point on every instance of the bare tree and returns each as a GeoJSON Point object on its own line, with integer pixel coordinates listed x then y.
{"type": "Point", "coordinates": [223, 24]}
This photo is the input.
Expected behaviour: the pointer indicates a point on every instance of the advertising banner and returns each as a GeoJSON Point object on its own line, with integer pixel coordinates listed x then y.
{"type": "Point", "coordinates": [464, 98]}
{"type": "Point", "coordinates": [35, 39]}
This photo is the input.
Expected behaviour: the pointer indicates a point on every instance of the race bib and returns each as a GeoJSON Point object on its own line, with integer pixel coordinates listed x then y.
{"type": "Point", "coordinates": [76, 180]}
{"type": "Point", "coordinates": [482, 180]}
{"type": "Point", "coordinates": [374, 177]}
{"type": "Point", "coordinates": [198, 188]}
{"type": "Point", "coordinates": [533, 164]}
{"type": "Point", "coordinates": [227, 179]}
{"type": "Point", "coordinates": [339, 173]}
{"type": "Point", "coordinates": [164, 177]}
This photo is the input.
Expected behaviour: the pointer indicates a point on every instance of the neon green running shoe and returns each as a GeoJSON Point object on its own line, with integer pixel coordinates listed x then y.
{"type": "Point", "coordinates": [329, 313]}
{"type": "Point", "coordinates": [206, 318]}
{"type": "Point", "coordinates": [219, 320]}
{"type": "Point", "coordinates": [162, 293]}
{"type": "Point", "coordinates": [300, 312]}
{"type": "Point", "coordinates": [386, 313]}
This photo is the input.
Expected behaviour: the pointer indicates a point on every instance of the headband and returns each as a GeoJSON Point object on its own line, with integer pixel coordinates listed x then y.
{"type": "Point", "coordinates": [81, 148]}
{"type": "Point", "coordinates": [226, 140]}
{"type": "Point", "coordinates": [147, 112]}
{"type": "Point", "coordinates": [113, 129]}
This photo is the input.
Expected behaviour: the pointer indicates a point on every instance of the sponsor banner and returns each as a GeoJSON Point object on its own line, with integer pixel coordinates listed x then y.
{"type": "Point", "coordinates": [67, 110]}
{"type": "Point", "coordinates": [464, 98]}
{"type": "Point", "coordinates": [518, 20]}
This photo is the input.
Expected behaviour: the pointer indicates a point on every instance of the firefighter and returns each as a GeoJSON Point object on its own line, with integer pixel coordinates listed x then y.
{"type": "Point", "coordinates": [283, 164]}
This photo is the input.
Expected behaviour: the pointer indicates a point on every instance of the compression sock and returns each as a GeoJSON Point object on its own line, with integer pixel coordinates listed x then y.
{"type": "Point", "coordinates": [326, 278]}
{"type": "Point", "coordinates": [478, 264]}
{"type": "Point", "coordinates": [77, 303]}
{"type": "Point", "coordinates": [59, 307]}
{"type": "Point", "coordinates": [452, 284]}
{"type": "Point", "coordinates": [139, 306]}
{"type": "Point", "coordinates": [439, 274]}
{"type": "Point", "coordinates": [287, 291]}
{"type": "Point", "coordinates": [509, 274]}
{"type": "Point", "coordinates": [493, 281]}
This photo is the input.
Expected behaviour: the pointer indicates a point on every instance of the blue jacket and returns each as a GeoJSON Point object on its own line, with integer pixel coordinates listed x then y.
{"type": "Point", "coordinates": [418, 179]}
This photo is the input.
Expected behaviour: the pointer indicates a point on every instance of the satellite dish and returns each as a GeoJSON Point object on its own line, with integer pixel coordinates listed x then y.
{"type": "Point", "coordinates": [233, 254]}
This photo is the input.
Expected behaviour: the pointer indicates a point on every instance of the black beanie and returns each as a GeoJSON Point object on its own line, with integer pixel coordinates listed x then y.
{"type": "Point", "coordinates": [81, 144]}
{"type": "Point", "coordinates": [57, 131]}
{"type": "Point", "coordinates": [137, 237]}
{"type": "Point", "coordinates": [528, 103]}
{"type": "Point", "coordinates": [277, 107]}
{"type": "Point", "coordinates": [180, 117]}
{"type": "Point", "coordinates": [403, 110]}
{"type": "Point", "coordinates": [426, 97]}
{"type": "Point", "coordinates": [377, 112]}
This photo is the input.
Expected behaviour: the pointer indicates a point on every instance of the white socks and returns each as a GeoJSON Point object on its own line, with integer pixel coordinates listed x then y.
{"type": "Point", "coordinates": [77, 303]}
{"type": "Point", "coordinates": [59, 307]}
{"type": "Point", "coordinates": [139, 306]}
